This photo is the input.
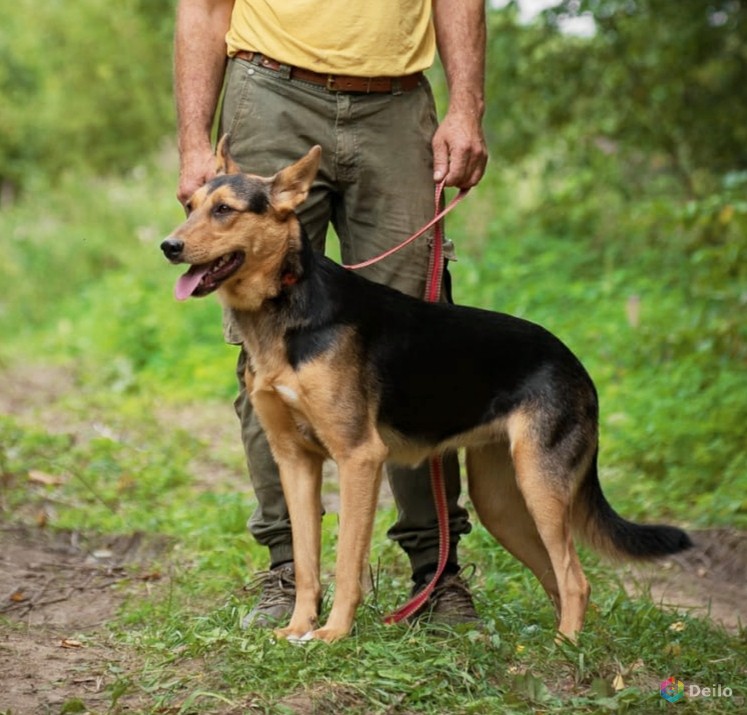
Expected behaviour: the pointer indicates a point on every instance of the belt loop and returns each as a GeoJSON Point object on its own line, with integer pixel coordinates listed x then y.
{"type": "Point", "coordinates": [396, 86]}
{"type": "Point", "coordinates": [284, 71]}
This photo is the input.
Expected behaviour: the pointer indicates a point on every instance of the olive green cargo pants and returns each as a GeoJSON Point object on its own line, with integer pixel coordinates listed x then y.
{"type": "Point", "coordinates": [375, 186]}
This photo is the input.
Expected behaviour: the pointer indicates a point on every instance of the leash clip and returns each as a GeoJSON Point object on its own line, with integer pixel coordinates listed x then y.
{"type": "Point", "coordinates": [448, 248]}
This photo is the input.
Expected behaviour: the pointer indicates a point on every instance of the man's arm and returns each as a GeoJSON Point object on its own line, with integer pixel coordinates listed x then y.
{"type": "Point", "coordinates": [459, 150]}
{"type": "Point", "coordinates": [199, 65]}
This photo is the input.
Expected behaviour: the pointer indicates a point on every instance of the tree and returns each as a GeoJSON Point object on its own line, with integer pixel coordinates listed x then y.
{"type": "Point", "coordinates": [659, 83]}
{"type": "Point", "coordinates": [86, 83]}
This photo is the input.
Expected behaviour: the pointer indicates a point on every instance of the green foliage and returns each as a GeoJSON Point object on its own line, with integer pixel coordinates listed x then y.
{"type": "Point", "coordinates": [508, 667]}
{"type": "Point", "coordinates": [657, 91]}
{"type": "Point", "coordinates": [662, 78]}
{"type": "Point", "coordinates": [82, 84]}
{"type": "Point", "coordinates": [91, 276]}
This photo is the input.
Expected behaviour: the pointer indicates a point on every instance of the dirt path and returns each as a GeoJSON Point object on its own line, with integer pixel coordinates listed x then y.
{"type": "Point", "coordinates": [708, 581]}
{"type": "Point", "coordinates": [59, 589]}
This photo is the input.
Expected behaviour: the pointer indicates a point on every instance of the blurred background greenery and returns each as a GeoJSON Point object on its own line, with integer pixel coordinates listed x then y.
{"type": "Point", "coordinates": [614, 212]}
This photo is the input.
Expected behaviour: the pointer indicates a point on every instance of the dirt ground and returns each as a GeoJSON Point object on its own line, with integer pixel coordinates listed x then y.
{"type": "Point", "coordinates": [58, 589]}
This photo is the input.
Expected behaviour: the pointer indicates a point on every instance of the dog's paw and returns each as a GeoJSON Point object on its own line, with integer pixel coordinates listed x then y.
{"type": "Point", "coordinates": [301, 640]}
{"type": "Point", "coordinates": [329, 635]}
{"type": "Point", "coordinates": [292, 634]}
{"type": "Point", "coordinates": [298, 636]}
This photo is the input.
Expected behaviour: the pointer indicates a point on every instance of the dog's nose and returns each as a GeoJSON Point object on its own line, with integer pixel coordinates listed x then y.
{"type": "Point", "coordinates": [172, 248]}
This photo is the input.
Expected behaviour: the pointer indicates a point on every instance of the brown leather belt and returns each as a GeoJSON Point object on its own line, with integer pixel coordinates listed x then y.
{"type": "Point", "coordinates": [336, 82]}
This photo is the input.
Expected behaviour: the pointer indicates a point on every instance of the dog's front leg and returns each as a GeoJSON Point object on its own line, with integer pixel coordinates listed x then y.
{"type": "Point", "coordinates": [301, 479]}
{"type": "Point", "coordinates": [360, 477]}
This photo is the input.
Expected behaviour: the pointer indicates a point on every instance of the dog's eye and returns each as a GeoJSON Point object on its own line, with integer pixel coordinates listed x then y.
{"type": "Point", "coordinates": [222, 210]}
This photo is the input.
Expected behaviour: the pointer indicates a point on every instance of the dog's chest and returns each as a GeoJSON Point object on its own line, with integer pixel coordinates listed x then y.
{"type": "Point", "coordinates": [281, 405]}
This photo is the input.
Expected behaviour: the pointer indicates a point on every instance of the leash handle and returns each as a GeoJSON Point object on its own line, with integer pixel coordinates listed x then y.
{"type": "Point", "coordinates": [436, 260]}
{"type": "Point", "coordinates": [433, 222]}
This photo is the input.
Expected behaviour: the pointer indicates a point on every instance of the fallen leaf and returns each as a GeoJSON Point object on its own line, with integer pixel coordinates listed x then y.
{"type": "Point", "coordinates": [618, 683]}
{"type": "Point", "coordinates": [18, 596]}
{"type": "Point", "coordinates": [70, 643]}
{"type": "Point", "coordinates": [48, 480]}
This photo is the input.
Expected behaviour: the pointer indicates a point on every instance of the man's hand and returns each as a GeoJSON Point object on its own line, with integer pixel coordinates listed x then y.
{"type": "Point", "coordinates": [196, 168]}
{"type": "Point", "coordinates": [459, 150]}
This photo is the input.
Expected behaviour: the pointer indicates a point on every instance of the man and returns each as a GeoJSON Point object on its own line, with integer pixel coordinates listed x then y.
{"type": "Point", "coordinates": [347, 75]}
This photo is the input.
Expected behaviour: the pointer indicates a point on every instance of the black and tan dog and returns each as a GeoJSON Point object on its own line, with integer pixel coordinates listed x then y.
{"type": "Point", "coordinates": [343, 367]}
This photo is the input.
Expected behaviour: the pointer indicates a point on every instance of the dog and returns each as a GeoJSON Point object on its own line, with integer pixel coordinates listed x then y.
{"type": "Point", "coordinates": [342, 367]}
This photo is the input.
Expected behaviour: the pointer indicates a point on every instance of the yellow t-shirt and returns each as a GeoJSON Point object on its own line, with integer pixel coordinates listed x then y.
{"type": "Point", "coordinates": [365, 38]}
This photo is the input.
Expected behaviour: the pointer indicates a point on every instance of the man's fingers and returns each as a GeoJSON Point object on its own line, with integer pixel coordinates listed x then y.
{"type": "Point", "coordinates": [440, 159]}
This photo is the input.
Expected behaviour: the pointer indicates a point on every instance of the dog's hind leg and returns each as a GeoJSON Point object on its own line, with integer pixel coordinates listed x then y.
{"type": "Point", "coordinates": [547, 485]}
{"type": "Point", "coordinates": [501, 508]}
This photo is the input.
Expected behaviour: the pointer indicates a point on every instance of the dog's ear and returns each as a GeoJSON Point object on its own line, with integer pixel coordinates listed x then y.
{"type": "Point", "coordinates": [290, 187]}
{"type": "Point", "coordinates": [224, 164]}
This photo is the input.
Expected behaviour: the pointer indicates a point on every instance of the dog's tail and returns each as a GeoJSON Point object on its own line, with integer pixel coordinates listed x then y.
{"type": "Point", "coordinates": [605, 530]}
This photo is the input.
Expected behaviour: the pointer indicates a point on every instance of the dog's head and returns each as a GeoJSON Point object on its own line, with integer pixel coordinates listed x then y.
{"type": "Point", "coordinates": [239, 231]}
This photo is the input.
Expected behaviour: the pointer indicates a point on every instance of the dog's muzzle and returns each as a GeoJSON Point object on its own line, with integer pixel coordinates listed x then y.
{"type": "Point", "coordinates": [172, 248]}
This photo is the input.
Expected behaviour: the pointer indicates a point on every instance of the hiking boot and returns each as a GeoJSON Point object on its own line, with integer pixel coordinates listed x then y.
{"type": "Point", "coordinates": [451, 602]}
{"type": "Point", "coordinates": [276, 600]}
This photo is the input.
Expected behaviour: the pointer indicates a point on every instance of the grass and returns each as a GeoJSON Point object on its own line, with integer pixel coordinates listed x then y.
{"type": "Point", "coordinates": [97, 300]}
{"type": "Point", "coordinates": [194, 657]}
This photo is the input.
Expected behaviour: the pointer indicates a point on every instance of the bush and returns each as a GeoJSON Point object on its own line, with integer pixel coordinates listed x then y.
{"type": "Point", "coordinates": [85, 84]}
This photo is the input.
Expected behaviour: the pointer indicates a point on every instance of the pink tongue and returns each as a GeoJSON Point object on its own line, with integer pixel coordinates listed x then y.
{"type": "Point", "coordinates": [187, 283]}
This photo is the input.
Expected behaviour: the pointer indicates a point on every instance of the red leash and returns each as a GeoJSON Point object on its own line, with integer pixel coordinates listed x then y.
{"type": "Point", "coordinates": [419, 600]}
{"type": "Point", "coordinates": [433, 222]}
{"type": "Point", "coordinates": [432, 294]}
